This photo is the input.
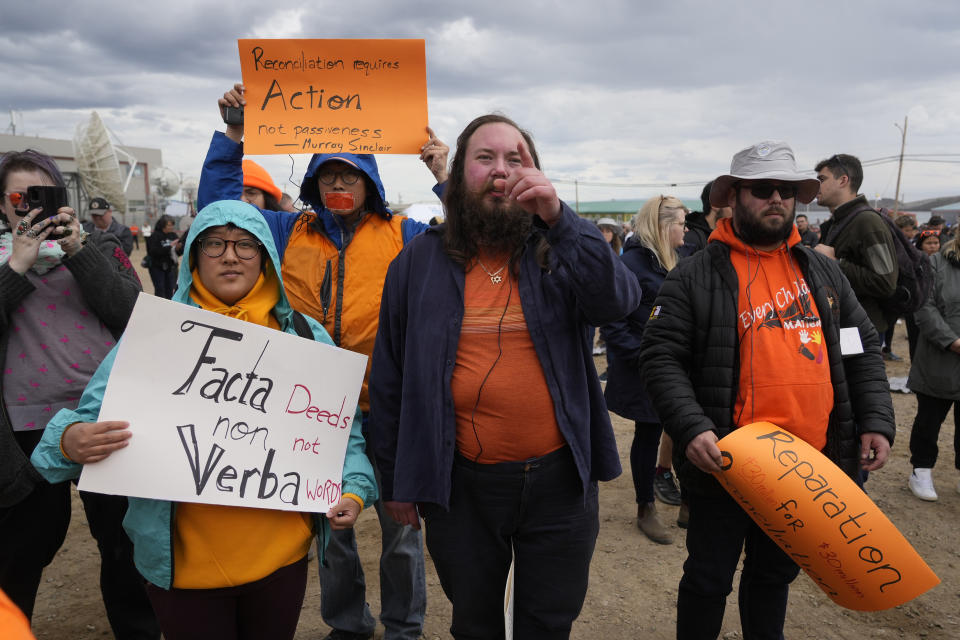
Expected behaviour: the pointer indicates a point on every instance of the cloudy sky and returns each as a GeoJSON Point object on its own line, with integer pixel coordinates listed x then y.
{"type": "Point", "coordinates": [626, 97]}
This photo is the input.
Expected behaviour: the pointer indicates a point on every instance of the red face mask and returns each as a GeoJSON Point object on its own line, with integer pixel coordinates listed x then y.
{"type": "Point", "coordinates": [338, 201]}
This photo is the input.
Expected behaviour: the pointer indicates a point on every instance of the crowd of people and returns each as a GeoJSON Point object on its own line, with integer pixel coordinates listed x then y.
{"type": "Point", "coordinates": [481, 416]}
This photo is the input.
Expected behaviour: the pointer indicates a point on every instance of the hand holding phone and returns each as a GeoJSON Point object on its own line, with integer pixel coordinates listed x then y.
{"type": "Point", "coordinates": [231, 110]}
{"type": "Point", "coordinates": [50, 199]}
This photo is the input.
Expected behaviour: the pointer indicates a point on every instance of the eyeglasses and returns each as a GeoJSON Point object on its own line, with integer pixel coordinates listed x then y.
{"type": "Point", "coordinates": [836, 159]}
{"type": "Point", "coordinates": [764, 190]}
{"type": "Point", "coordinates": [18, 199]}
{"type": "Point", "coordinates": [329, 176]}
{"type": "Point", "coordinates": [214, 247]}
{"type": "Point", "coordinates": [926, 233]}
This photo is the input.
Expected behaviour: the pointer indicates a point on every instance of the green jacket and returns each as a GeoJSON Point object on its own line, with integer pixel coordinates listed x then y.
{"type": "Point", "coordinates": [866, 253]}
{"type": "Point", "coordinates": [935, 369]}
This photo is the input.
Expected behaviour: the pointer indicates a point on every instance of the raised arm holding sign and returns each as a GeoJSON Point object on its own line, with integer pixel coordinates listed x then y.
{"type": "Point", "coordinates": [335, 254]}
{"type": "Point", "coordinates": [334, 96]}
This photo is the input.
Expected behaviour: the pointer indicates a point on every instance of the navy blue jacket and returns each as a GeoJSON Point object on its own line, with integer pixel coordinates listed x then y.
{"type": "Point", "coordinates": [626, 393]}
{"type": "Point", "coordinates": [412, 421]}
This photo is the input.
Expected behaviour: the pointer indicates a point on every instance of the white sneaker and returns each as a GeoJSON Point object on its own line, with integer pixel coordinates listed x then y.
{"type": "Point", "coordinates": [921, 484]}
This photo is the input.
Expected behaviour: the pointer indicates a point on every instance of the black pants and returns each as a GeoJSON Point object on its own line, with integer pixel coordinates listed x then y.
{"type": "Point", "coordinates": [265, 608]}
{"type": "Point", "coordinates": [164, 282]}
{"type": "Point", "coordinates": [643, 458]}
{"type": "Point", "coordinates": [718, 531]}
{"type": "Point", "coordinates": [535, 511]}
{"type": "Point", "coordinates": [32, 531]}
{"type": "Point", "coordinates": [931, 412]}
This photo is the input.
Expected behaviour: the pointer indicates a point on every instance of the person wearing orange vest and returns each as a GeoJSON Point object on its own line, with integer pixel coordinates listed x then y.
{"type": "Point", "coordinates": [334, 262]}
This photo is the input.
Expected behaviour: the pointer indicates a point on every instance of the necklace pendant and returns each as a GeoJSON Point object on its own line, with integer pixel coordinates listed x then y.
{"type": "Point", "coordinates": [496, 278]}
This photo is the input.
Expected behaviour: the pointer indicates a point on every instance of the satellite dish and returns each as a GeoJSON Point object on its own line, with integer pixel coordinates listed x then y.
{"type": "Point", "coordinates": [166, 182]}
{"type": "Point", "coordinates": [189, 190]}
{"type": "Point", "coordinates": [98, 165]}
{"type": "Point", "coordinates": [189, 186]}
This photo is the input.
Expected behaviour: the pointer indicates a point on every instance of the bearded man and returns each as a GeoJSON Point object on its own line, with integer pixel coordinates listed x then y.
{"type": "Point", "coordinates": [748, 330]}
{"type": "Point", "coordinates": [486, 411]}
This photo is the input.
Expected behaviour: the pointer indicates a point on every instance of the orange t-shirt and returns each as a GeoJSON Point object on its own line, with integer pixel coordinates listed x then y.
{"type": "Point", "coordinates": [503, 407]}
{"type": "Point", "coordinates": [784, 368]}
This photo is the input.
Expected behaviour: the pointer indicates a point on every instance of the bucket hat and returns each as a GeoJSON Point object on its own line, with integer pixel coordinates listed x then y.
{"type": "Point", "coordinates": [767, 160]}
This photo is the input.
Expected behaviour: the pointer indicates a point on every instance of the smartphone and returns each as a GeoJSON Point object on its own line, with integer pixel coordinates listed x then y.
{"type": "Point", "coordinates": [233, 115]}
{"type": "Point", "coordinates": [50, 199]}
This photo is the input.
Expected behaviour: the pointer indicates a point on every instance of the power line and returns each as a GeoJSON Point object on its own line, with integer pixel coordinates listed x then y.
{"type": "Point", "coordinates": [873, 162]}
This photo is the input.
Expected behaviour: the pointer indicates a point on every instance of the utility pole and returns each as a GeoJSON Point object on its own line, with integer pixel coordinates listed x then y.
{"type": "Point", "coordinates": [903, 143]}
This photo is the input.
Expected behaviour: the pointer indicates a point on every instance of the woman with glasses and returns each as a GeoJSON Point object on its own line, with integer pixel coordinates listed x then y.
{"type": "Point", "coordinates": [65, 298]}
{"type": "Point", "coordinates": [935, 370]}
{"type": "Point", "coordinates": [334, 258]}
{"type": "Point", "coordinates": [658, 230]}
{"type": "Point", "coordinates": [214, 571]}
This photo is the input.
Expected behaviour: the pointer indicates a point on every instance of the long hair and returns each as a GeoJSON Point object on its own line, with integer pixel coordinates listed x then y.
{"type": "Point", "coordinates": [162, 222]}
{"type": "Point", "coordinates": [28, 160]}
{"type": "Point", "coordinates": [460, 246]}
{"type": "Point", "coordinates": [616, 243]}
{"type": "Point", "coordinates": [651, 224]}
{"type": "Point", "coordinates": [951, 250]}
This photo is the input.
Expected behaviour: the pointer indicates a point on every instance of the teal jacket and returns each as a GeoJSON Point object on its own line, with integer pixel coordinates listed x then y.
{"type": "Point", "coordinates": [148, 522]}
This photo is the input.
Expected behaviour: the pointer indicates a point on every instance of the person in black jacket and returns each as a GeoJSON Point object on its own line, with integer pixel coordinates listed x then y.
{"type": "Point", "coordinates": [650, 253]}
{"type": "Point", "coordinates": [161, 246]}
{"type": "Point", "coordinates": [745, 331]}
{"type": "Point", "coordinates": [700, 224]}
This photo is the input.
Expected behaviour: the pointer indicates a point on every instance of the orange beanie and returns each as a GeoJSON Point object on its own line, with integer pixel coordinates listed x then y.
{"type": "Point", "coordinates": [256, 176]}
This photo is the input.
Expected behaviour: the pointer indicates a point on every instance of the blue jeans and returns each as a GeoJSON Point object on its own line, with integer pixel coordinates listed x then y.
{"type": "Point", "coordinates": [719, 530]}
{"type": "Point", "coordinates": [534, 511]}
{"type": "Point", "coordinates": [403, 583]}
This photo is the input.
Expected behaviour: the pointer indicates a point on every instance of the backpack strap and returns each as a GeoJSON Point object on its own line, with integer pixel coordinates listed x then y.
{"type": "Point", "coordinates": [302, 326]}
{"type": "Point", "coordinates": [836, 228]}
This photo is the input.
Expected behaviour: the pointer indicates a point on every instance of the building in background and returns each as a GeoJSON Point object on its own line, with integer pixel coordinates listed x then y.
{"type": "Point", "coordinates": [142, 204]}
{"type": "Point", "coordinates": [621, 210]}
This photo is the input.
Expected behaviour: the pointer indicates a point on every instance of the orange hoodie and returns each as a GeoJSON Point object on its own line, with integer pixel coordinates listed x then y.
{"type": "Point", "coordinates": [784, 369]}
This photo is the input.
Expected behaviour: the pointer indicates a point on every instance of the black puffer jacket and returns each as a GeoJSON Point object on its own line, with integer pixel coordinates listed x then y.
{"type": "Point", "coordinates": [698, 231]}
{"type": "Point", "coordinates": [690, 358]}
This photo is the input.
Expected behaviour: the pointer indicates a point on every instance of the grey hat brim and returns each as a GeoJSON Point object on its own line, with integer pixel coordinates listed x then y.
{"type": "Point", "coordinates": [807, 188]}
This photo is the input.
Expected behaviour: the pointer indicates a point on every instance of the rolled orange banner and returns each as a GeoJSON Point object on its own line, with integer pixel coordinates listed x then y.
{"type": "Point", "coordinates": [821, 519]}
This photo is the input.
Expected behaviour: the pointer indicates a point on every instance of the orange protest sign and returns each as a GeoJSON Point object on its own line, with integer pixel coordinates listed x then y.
{"type": "Point", "coordinates": [821, 519]}
{"type": "Point", "coordinates": [334, 96]}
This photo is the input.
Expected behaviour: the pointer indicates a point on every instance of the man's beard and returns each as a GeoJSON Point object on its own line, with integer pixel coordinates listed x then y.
{"type": "Point", "coordinates": [498, 226]}
{"type": "Point", "coordinates": [752, 231]}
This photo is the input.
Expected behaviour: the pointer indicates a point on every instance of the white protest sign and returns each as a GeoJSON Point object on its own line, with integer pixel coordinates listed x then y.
{"type": "Point", "coordinates": [226, 412]}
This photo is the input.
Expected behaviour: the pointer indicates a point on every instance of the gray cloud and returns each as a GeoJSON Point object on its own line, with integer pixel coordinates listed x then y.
{"type": "Point", "coordinates": [614, 91]}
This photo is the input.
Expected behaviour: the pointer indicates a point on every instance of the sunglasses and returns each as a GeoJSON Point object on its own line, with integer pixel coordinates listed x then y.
{"type": "Point", "coordinates": [929, 232]}
{"type": "Point", "coordinates": [18, 199]}
{"type": "Point", "coordinates": [836, 159]}
{"type": "Point", "coordinates": [763, 190]}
